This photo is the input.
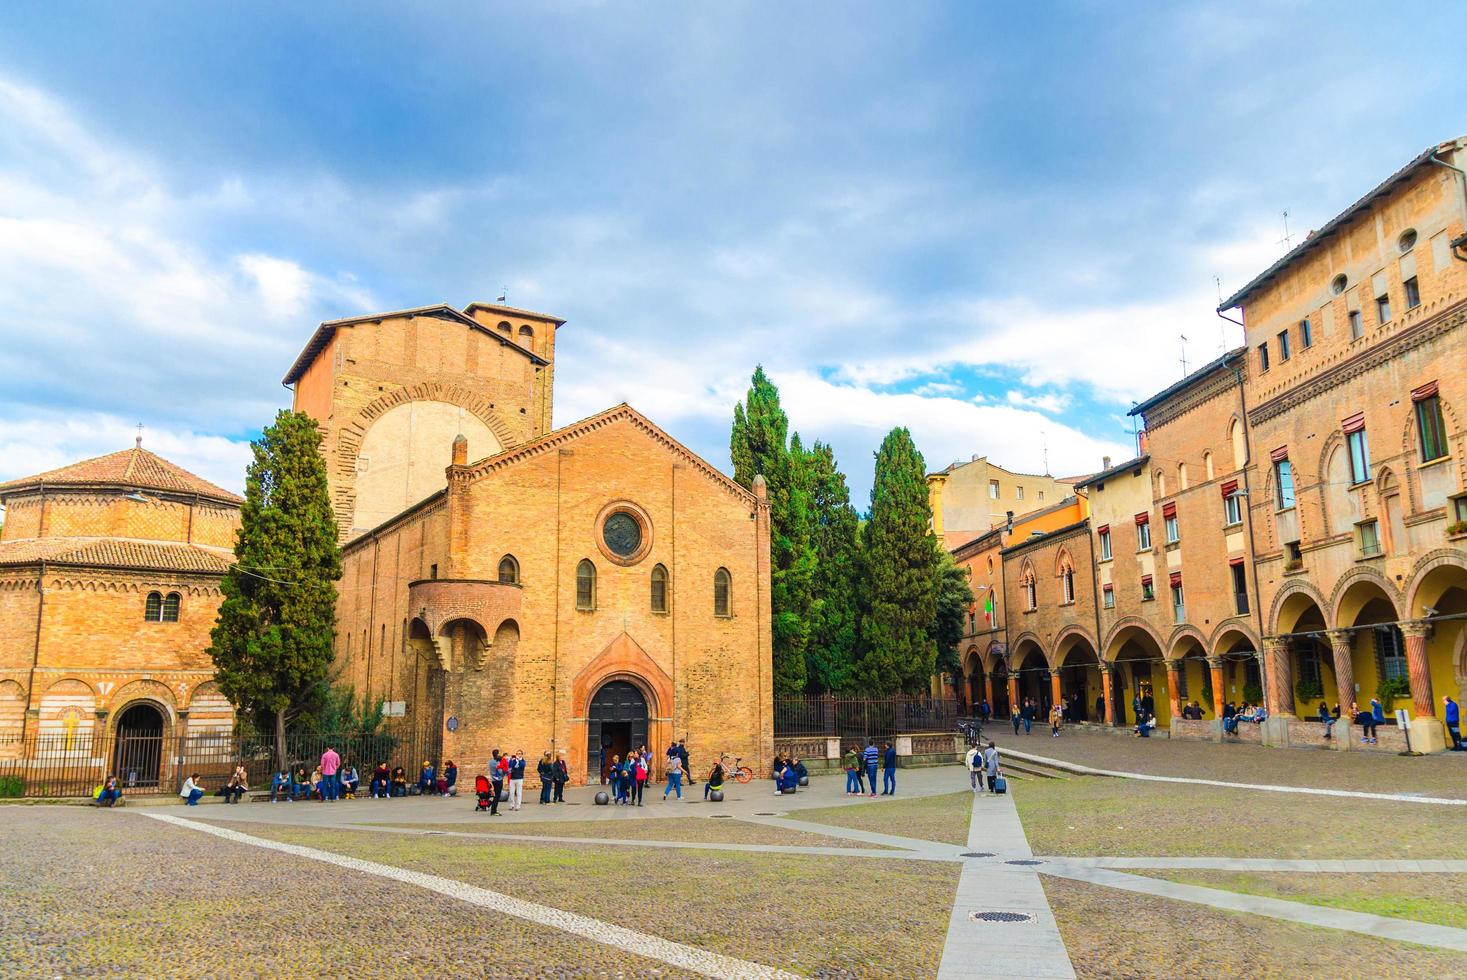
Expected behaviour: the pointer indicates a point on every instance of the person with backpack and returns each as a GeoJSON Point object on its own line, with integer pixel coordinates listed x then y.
{"type": "Point", "coordinates": [973, 761]}
{"type": "Point", "coordinates": [639, 763]}
{"type": "Point", "coordinates": [990, 766]}
{"type": "Point", "coordinates": [852, 763]}
{"type": "Point", "coordinates": [674, 776]}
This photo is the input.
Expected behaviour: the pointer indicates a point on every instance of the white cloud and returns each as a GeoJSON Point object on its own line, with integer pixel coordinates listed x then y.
{"type": "Point", "coordinates": [49, 440]}
{"type": "Point", "coordinates": [1051, 404]}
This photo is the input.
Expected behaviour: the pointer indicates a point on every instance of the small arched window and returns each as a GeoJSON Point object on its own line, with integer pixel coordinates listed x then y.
{"type": "Point", "coordinates": [509, 571]}
{"type": "Point", "coordinates": [170, 607]}
{"type": "Point", "coordinates": [505, 329]}
{"type": "Point", "coordinates": [722, 593]}
{"type": "Point", "coordinates": [1031, 590]}
{"type": "Point", "coordinates": [1160, 483]}
{"type": "Point", "coordinates": [659, 589]}
{"type": "Point", "coordinates": [585, 585]}
{"type": "Point", "coordinates": [1240, 451]}
{"type": "Point", "coordinates": [1182, 483]}
{"type": "Point", "coordinates": [527, 338]}
{"type": "Point", "coordinates": [1207, 465]}
{"type": "Point", "coordinates": [1067, 584]}
{"type": "Point", "coordinates": [153, 610]}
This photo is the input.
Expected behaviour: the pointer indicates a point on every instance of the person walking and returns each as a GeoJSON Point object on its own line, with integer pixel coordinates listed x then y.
{"type": "Point", "coordinates": [559, 778]}
{"type": "Point", "coordinates": [546, 771]}
{"type": "Point", "coordinates": [888, 770]}
{"type": "Point", "coordinates": [870, 757]}
{"type": "Point", "coordinates": [682, 754]}
{"type": "Point", "coordinates": [1056, 719]}
{"type": "Point", "coordinates": [990, 766]}
{"type": "Point", "coordinates": [852, 762]}
{"type": "Point", "coordinates": [498, 769]}
{"type": "Point", "coordinates": [330, 775]}
{"type": "Point", "coordinates": [1016, 717]}
{"type": "Point", "coordinates": [1028, 714]}
{"type": "Point", "coordinates": [973, 761]}
{"type": "Point", "coordinates": [1452, 714]}
{"type": "Point", "coordinates": [674, 776]}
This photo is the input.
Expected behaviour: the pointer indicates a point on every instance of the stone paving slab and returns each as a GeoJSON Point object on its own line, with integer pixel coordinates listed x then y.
{"type": "Point", "coordinates": [1382, 927]}
{"type": "Point", "coordinates": [617, 937]}
{"type": "Point", "coordinates": [1031, 948]}
{"type": "Point", "coordinates": [1367, 866]}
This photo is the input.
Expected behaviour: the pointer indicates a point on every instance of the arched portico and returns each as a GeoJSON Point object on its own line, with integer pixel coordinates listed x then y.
{"type": "Point", "coordinates": [1081, 685]}
{"type": "Point", "coordinates": [1437, 593]}
{"type": "Point", "coordinates": [1135, 654]}
{"type": "Point", "coordinates": [1033, 676]}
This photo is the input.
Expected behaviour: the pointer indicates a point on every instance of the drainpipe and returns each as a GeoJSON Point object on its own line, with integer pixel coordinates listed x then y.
{"type": "Point", "coordinates": [30, 687]}
{"type": "Point", "coordinates": [1248, 493]}
{"type": "Point", "coordinates": [1459, 245]}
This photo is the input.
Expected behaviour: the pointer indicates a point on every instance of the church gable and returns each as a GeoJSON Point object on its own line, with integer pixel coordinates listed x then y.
{"type": "Point", "coordinates": [624, 418]}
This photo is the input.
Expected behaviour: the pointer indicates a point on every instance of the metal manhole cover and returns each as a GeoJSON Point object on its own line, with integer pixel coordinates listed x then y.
{"type": "Point", "coordinates": [765, 813]}
{"type": "Point", "coordinates": [976, 854]}
{"type": "Point", "coordinates": [1026, 863]}
{"type": "Point", "coordinates": [1000, 917]}
{"type": "Point", "coordinates": [435, 833]}
{"type": "Point", "coordinates": [723, 816]}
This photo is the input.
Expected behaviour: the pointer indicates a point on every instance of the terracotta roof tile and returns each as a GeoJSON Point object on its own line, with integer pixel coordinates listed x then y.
{"type": "Point", "coordinates": [134, 468]}
{"type": "Point", "coordinates": [116, 553]}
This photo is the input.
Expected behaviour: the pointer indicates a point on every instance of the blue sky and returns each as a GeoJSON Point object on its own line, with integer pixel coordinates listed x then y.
{"type": "Point", "coordinates": [991, 224]}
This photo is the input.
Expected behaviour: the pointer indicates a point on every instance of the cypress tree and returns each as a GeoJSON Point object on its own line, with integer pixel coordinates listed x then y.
{"type": "Point", "coordinates": [834, 617]}
{"type": "Point", "coordinates": [759, 445]}
{"type": "Point", "coordinates": [271, 643]}
{"type": "Point", "coordinates": [900, 573]}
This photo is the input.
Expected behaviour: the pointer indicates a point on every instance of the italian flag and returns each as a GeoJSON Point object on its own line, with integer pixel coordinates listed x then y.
{"type": "Point", "coordinates": [988, 607]}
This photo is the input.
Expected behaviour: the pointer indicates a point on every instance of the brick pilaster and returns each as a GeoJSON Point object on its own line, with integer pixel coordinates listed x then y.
{"type": "Point", "coordinates": [1174, 687]}
{"type": "Point", "coordinates": [1343, 648]}
{"type": "Point", "coordinates": [1219, 690]}
{"type": "Point", "coordinates": [1105, 684]}
{"type": "Point", "coordinates": [1278, 679]}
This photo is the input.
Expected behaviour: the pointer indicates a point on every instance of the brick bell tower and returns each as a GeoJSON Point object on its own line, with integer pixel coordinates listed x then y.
{"type": "Point", "coordinates": [392, 390]}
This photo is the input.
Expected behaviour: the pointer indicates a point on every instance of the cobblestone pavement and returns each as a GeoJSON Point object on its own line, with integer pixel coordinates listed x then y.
{"type": "Point", "coordinates": [1444, 774]}
{"type": "Point", "coordinates": [116, 894]}
{"type": "Point", "coordinates": [180, 901]}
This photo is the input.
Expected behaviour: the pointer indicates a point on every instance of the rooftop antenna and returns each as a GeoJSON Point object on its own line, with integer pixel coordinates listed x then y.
{"type": "Point", "coordinates": [1288, 239]}
{"type": "Point", "coordinates": [1184, 354]}
{"type": "Point", "coordinates": [139, 440]}
{"type": "Point", "coordinates": [1222, 327]}
{"type": "Point", "coordinates": [1044, 439]}
{"type": "Point", "coordinates": [503, 292]}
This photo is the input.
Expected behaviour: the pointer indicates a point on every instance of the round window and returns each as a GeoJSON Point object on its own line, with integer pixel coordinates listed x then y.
{"type": "Point", "coordinates": [1339, 284]}
{"type": "Point", "coordinates": [623, 534]}
{"type": "Point", "coordinates": [1408, 240]}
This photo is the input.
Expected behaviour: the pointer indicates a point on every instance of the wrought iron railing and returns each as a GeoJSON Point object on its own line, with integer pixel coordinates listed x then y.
{"type": "Point", "coordinates": [861, 718]}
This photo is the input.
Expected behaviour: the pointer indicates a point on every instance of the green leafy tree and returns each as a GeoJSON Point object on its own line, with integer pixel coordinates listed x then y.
{"type": "Point", "coordinates": [834, 612]}
{"type": "Point", "coordinates": [335, 709]}
{"type": "Point", "coordinates": [760, 445]}
{"type": "Point", "coordinates": [954, 597]}
{"type": "Point", "coordinates": [900, 573]}
{"type": "Point", "coordinates": [272, 641]}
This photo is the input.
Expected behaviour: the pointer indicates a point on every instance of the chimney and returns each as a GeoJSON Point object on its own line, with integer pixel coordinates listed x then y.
{"type": "Point", "coordinates": [1104, 463]}
{"type": "Point", "coordinates": [460, 450]}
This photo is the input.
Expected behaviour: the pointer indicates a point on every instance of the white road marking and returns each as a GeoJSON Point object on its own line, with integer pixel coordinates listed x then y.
{"type": "Point", "coordinates": [674, 954]}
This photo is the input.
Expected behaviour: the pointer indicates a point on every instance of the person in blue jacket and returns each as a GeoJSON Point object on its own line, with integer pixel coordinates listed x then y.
{"type": "Point", "coordinates": [888, 771]}
{"type": "Point", "coordinates": [1453, 717]}
{"type": "Point", "coordinates": [870, 757]}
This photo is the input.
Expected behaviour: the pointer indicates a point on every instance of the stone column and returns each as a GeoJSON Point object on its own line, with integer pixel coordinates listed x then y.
{"type": "Point", "coordinates": [1013, 691]}
{"type": "Point", "coordinates": [1422, 703]}
{"type": "Point", "coordinates": [1056, 695]}
{"type": "Point", "coordinates": [1342, 648]}
{"type": "Point", "coordinates": [1105, 682]}
{"type": "Point", "coordinates": [1427, 732]}
{"type": "Point", "coordinates": [1278, 678]}
{"type": "Point", "coordinates": [1219, 688]}
{"type": "Point", "coordinates": [1174, 687]}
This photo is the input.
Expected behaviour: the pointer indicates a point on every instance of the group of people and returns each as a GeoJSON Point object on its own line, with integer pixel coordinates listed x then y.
{"type": "Point", "coordinates": [628, 777]}
{"type": "Point", "coordinates": [983, 769]}
{"type": "Point", "coordinates": [505, 780]}
{"type": "Point", "coordinates": [789, 772]}
{"type": "Point", "coordinates": [1233, 715]}
{"type": "Point", "coordinates": [861, 763]}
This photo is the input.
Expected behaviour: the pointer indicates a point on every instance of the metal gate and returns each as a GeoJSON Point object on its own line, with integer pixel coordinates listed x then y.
{"type": "Point", "coordinates": [137, 760]}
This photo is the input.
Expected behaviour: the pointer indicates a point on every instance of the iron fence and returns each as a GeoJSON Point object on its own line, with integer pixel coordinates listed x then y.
{"type": "Point", "coordinates": [146, 764]}
{"type": "Point", "coordinates": [862, 718]}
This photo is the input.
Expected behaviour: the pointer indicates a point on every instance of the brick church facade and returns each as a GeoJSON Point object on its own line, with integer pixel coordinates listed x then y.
{"type": "Point", "coordinates": [509, 585]}
{"type": "Point", "coordinates": [109, 586]}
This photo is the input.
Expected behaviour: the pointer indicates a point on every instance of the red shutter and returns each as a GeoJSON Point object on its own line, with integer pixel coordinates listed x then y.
{"type": "Point", "coordinates": [1146, 580]}
{"type": "Point", "coordinates": [1107, 588]}
{"type": "Point", "coordinates": [1169, 510]}
{"type": "Point", "coordinates": [1424, 392]}
{"type": "Point", "coordinates": [1280, 453]}
{"type": "Point", "coordinates": [1235, 562]}
{"type": "Point", "coordinates": [1103, 529]}
{"type": "Point", "coordinates": [1230, 488]}
{"type": "Point", "coordinates": [1143, 519]}
{"type": "Point", "coordinates": [1355, 423]}
{"type": "Point", "coordinates": [1176, 580]}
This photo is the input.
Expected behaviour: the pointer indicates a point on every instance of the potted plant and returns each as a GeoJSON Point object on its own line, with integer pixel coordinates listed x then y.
{"type": "Point", "coordinates": [1392, 688]}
